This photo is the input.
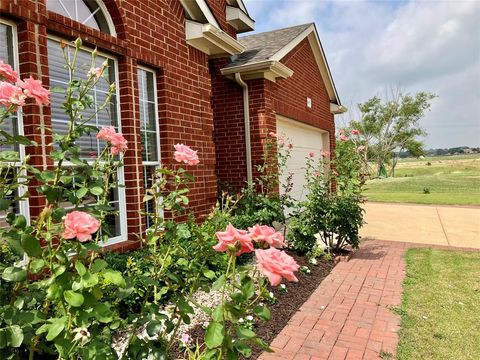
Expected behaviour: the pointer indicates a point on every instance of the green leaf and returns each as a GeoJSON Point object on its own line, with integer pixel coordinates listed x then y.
{"type": "Point", "coordinates": [20, 222]}
{"type": "Point", "coordinates": [217, 285]}
{"type": "Point", "coordinates": [54, 292]}
{"type": "Point", "coordinates": [96, 190]}
{"type": "Point", "coordinates": [4, 204]}
{"type": "Point", "coordinates": [209, 274]}
{"type": "Point", "coordinates": [89, 280]}
{"type": "Point", "coordinates": [15, 335]}
{"type": "Point", "coordinates": [31, 245]}
{"type": "Point", "coordinates": [14, 274]}
{"type": "Point", "coordinates": [81, 269]}
{"type": "Point", "coordinates": [98, 265]}
{"type": "Point", "coordinates": [8, 156]}
{"type": "Point", "coordinates": [248, 288]}
{"type": "Point", "coordinates": [37, 265]}
{"type": "Point", "coordinates": [214, 335]}
{"type": "Point", "coordinates": [115, 277]}
{"type": "Point", "coordinates": [262, 312]}
{"type": "Point", "coordinates": [244, 333]}
{"type": "Point", "coordinates": [81, 192]}
{"type": "Point", "coordinates": [154, 327]}
{"type": "Point", "coordinates": [55, 328]}
{"type": "Point", "coordinates": [73, 298]}
{"type": "Point", "coordinates": [103, 313]}
{"type": "Point", "coordinates": [243, 348]}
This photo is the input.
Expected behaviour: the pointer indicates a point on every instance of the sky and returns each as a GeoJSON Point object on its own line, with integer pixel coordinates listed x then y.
{"type": "Point", "coordinates": [371, 46]}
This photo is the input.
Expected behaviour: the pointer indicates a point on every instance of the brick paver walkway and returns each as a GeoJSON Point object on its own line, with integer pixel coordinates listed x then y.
{"type": "Point", "coordinates": [349, 316]}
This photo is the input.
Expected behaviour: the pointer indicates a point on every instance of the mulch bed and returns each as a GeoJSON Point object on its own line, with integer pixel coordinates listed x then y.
{"type": "Point", "coordinates": [286, 305]}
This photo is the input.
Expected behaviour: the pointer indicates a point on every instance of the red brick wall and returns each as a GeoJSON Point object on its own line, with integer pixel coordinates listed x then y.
{"type": "Point", "coordinates": [149, 33]}
{"type": "Point", "coordinates": [229, 133]}
{"type": "Point", "coordinates": [291, 94]}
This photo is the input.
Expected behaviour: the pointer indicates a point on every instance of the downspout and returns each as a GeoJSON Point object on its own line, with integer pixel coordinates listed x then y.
{"type": "Point", "coordinates": [246, 116]}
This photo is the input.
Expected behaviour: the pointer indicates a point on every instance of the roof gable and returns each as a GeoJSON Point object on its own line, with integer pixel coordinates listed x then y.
{"type": "Point", "coordinates": [272, 46]}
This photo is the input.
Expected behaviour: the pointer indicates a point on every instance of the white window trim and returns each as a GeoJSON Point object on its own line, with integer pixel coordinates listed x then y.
{"type": "Point", "coordinates": [122, 208]}
{"type": "Point", "coordinates": [108, 18]}
{"type": "Point", "coordinates": [157, 163]}
{"type": "Point", "coordinates": [24, 207]}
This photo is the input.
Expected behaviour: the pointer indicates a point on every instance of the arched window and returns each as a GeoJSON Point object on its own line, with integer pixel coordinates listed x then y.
{"type": "Point", "coordinates": [91, 13]}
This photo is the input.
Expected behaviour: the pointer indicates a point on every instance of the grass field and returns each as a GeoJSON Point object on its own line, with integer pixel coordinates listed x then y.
{"type": "Point", "coordinates": [453, 180]}
{"type": "Point", "coordinates": [440, 317]}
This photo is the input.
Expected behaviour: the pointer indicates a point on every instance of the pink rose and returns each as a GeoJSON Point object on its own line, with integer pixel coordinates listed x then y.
{"type": "Point", "coordinates": [118, 142]}
{"type": "Point", "coordinates": [317, 173]}
{"type": "Point", "coordinates": [355, 132]}
{"type": "Point", "coordinates": [266, 234]}
{"type": "Point", "coordinates": [184, 154]}
{"type": "Point", "coordinates": [272, 134]}
{"type": "Point", "coordinates": [34, 89]}
{"type": "Point", "coordinates": [343, 138]}
{"type": "Point", "coordinates": [7, 73]}
{"type": "Point", "coordinates": [80, 225]}
{"type": "Point", "coordinates": [11, 95]}
{"type": "Point", "coordinates": [275, 265]}
{"type": "Point", "coordinates": [234, 237]}
{"type": "Point", "coordinates": [97, 72]}
{"type": "Point", "coordinates": [325, 153]}
{"type": "Point", "coordinates": [106, 133]}
{"type": "Point", "coordinates": [311, 154]}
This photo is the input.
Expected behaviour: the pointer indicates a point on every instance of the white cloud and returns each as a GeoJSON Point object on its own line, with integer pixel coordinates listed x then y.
{"type": "Point", "coordinates": [419, 45]}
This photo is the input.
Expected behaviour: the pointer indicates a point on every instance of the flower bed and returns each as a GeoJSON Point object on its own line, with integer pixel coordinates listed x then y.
{"type": "Point", "coordinates": [62, 297]}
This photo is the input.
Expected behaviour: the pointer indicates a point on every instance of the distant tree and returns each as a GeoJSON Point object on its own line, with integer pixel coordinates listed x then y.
{"type": "Point", "coordinates": [391, 125]}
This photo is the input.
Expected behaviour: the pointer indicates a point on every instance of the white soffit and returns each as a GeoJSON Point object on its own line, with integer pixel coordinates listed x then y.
{"type": "Point", "coordinates": [239, 4]}
{"type": "Point", "coordinates": [211, 40]}
{"type": "Point", "coordinates": [314, 40]}
{"type": "Point", "coordinates": [239, 19]}
{"type": "Point", "coordinates": [269, 69]}
{"type": "Point", "coordinates": [199, 11]}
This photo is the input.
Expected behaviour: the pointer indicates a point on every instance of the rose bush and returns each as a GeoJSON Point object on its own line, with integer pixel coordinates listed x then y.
{"type": "Point", "coordinates": [331, 215]}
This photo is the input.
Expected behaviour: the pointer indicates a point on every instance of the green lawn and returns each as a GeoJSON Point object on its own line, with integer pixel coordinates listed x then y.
{"type": "Point", "coordinates": [440, 306]}
{"type": "Point", "coordinates": [451, 180]}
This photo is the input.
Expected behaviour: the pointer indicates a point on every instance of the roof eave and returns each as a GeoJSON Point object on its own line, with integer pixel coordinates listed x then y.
{"type": "Point", "coordinates": [268, 69]}
{"type": "Point", "coordinates": [211, 40]}
{"type": "Point", "coordinates": [239, 19]}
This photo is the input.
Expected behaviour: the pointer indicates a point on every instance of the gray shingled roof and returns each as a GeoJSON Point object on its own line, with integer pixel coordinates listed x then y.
{"type": "Point", "coordinates": [262, 46]}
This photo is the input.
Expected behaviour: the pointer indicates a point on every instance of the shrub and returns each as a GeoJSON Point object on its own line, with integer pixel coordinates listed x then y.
{"type": "Point", "coordinates": [332, 212]}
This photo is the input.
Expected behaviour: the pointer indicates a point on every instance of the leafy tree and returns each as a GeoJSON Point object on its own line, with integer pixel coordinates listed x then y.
{"type": "Point", "coordinates": [390, 125]}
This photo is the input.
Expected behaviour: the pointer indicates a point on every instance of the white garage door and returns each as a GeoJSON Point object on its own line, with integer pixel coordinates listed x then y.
{"type": "Point", "coordinates": [305, 139]}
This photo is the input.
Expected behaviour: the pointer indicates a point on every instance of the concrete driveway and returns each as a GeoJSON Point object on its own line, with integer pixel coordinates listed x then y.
{"type": "Point", "coordinates": [426, 224]}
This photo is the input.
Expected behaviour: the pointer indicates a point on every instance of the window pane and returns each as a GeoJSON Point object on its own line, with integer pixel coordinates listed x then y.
{"type": "Point", "coordinates": [59, 77]}
{"type": "Point", "coordinates": [90, 146]}
{"type": "Point", "coordinates": [148, 115]}
{"type": "Point", "coordinates": [9, 125]}
{"type": "Point", "coordinates": [86, 12]}
{"type": "Point", "coordinates": [6, 178]}
{"type": "Point", "coordinates": [148, 176]}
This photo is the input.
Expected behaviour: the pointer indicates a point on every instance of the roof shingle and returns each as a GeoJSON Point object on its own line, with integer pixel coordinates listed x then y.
{"type": "Point", "coordinates": [262, 46]}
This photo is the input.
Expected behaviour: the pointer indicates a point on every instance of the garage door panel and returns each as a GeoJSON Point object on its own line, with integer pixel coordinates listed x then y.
{"type": "Point", "coordinates": [305, 139]}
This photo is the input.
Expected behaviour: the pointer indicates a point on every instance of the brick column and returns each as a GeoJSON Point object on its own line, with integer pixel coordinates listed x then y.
{"type": "Point", "coordinates": [130, 123]}
{"type": "Point", "coordinates": [32, 48]}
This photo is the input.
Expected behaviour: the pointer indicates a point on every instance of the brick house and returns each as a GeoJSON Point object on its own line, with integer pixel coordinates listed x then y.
{"type": "Point", "coordinates": [182, 76]}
